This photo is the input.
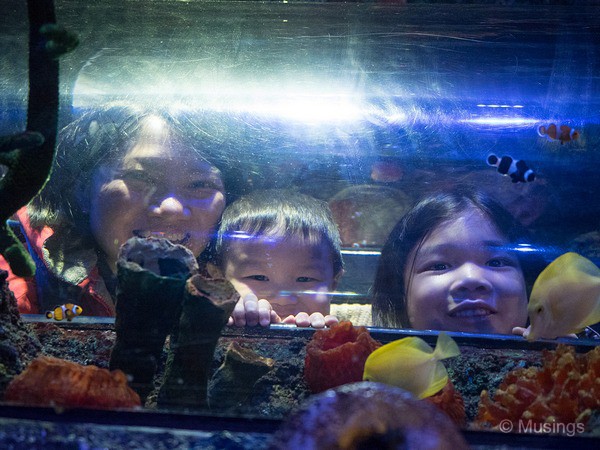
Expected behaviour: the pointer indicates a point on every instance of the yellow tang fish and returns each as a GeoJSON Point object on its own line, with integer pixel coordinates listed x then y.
{"type": "Point", "coordinates": [565, 298]}
{"type": "Point", "coordinates": [411, 364]}
{"type": "Point", "coordinates": [66, 311]}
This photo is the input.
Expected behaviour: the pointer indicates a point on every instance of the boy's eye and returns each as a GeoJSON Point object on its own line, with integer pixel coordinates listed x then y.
{"type": "Point", "coordinates": [305, 279]}
{"type": "Point", "coordinates": [258, 277]}
{"type": "Point", "coordinates": [439, 266]}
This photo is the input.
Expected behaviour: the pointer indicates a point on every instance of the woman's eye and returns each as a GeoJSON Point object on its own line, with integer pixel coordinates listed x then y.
{"type": "Point", "coordinates": [257, 277]}
{"type": "Point", "coordinates": [305, 279]}
{"type": "Point", "coordinates": [206, 185]}
{"type": "Point", "coordinates": [203, 189]}
{"type": "Point", "coordinates": [137, 176]}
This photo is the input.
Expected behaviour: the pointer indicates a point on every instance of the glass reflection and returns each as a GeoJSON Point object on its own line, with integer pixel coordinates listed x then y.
{"type": "Point", "coordinates": [368, 109]}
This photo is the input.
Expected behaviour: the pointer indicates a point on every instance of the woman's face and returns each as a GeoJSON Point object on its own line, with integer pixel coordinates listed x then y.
{"type": "Point", "coordinates": [462, 278]}
{"type": "Point", "coordinates": [159, 189]}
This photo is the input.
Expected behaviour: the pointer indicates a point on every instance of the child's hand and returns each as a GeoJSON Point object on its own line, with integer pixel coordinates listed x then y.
{"type": "Point", "coordinates": [521, 331]}
{"type": "Point", "coordinates": [315, 320]}
{"type": "Point", "coordinates": [251, 311]}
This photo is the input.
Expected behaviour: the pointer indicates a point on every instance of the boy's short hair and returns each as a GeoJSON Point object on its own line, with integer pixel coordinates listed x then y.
{"type": "Point", "coordinates": [280, 213]}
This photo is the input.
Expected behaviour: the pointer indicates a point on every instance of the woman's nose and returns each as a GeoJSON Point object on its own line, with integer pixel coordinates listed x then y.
{"type": "Point", "coordinates": [170, 206]}
{"type": "Point", "coordinates": [471, 278]}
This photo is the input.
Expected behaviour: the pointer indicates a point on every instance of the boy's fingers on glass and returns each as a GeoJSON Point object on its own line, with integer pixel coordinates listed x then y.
{"type": "Point", "coordinates": [239, 314]}
{"type": "Point", "coordinates": [250, 309]}
{"type": "Point", "coordinates": [264, 313]}
{"type": "Point", "coordinates": [249, 298]}
{"type": "Point", "coordinates": [275, 317]}
{"type": "Point", "coordinates": [291, 320]}
{"type": "Point", "coordinates": [317, 320]}
{"type": "Point", "coordinates": [330, 320]}
{"type": "Point", "coordinates": [303, 320]}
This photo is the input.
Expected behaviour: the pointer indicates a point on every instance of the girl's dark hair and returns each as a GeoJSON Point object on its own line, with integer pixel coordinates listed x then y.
{"type": "Point", "coordinates": [280, 213]}
{"type": "Point", "coordinates": [389, 290]}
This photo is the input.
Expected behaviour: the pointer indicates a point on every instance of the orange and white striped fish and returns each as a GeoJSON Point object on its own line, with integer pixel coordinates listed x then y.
{"type": "Point", "coordinates": [564, 133]}
{"type": "Point", "coordinates": [67, 311]}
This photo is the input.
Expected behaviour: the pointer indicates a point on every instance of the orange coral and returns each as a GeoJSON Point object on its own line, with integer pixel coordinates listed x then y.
{"type": "Point", "coordinates": [451, 402]}
{"type": "Point", "coordinates": [337, 356]}
{"type": "Point", "coordinates": [49, 381]}
{"type": "Point", "coordinates": [566, 389]}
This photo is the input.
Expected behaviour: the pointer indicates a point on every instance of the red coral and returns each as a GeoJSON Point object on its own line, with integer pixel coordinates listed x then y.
{"type": "Point", "coordinates": [451, 402]}
{"type": "Point", "coordinates": [564, 390]}
{"type": "Point", "coordinates": [337, 356]}
{"type": "Point", "coordinates": [49, 381]}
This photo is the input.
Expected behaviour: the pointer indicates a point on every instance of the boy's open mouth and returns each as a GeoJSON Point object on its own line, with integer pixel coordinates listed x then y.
{"type": "Point", "coordinates": [175, 238]}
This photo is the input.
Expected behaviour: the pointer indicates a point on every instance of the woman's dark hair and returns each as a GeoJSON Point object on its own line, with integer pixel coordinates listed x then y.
{"type": "Point", "coordinates": [389, 290]}
{"type": "Point", "coordinates": [281, 213]}
{"type": "Point", "coordinates": [103, 136]}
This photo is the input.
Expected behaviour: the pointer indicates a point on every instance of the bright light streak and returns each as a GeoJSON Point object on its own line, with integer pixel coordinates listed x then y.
{"type": "Point", "coordinates": [498, 121]}
{"type": "Point", "coordinates": [361, 252]}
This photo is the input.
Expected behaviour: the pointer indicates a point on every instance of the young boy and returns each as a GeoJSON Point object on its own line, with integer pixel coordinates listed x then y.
{"type": "Point", "coordinates": [281, 251]}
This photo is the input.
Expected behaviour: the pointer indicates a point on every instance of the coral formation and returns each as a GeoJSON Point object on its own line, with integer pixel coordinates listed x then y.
{"type": "Point", "coordinates": [151, 277]}
{"type": "Point", "coordinates": [566, 389]}
{"type": "Point", "coordinates": [57, 382]}
{"type": "Point", "coordinates": [367, 415]}
{"type": "Point", "coordinates": [18, 343]}
{"type": "Point", "coordinates": [207, 304]}
{"type": "Point", "coordinates": [337, 356]}
{"type": "Point", "coordinates": [233, 382]}
{"type": "Point", "coordinates": [451, 402]}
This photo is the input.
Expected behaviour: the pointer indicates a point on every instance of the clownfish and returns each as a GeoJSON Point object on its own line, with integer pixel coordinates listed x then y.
{"type": "Point", "coordinates": [67, 311]}
{"type": "Point", "coordinates": [564, 133]}
{"type": "Point", "coordinates": [412, 365]}
{"type": "Point", "coordinates": [565, 298]}
{"type": "Point", "coordinates": [516, 169]}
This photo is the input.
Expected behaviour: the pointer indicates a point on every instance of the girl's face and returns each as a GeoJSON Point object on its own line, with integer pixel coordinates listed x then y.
{"type": "Point", "coordinates": [156, 190]}
{"type": "Point", "coordinates": [463, 279]}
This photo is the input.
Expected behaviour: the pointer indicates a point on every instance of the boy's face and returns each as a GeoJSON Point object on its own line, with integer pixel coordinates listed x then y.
{"type": "Point", "coordinates": [280, 271]}
{"type": "Point", "coordinates": [157, 190]}
{"type": "Point", "coordinates": [461, 279]}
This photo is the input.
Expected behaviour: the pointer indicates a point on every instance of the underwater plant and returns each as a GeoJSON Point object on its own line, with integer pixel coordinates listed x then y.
{"type": "Point", "coordinates": [28, 156]}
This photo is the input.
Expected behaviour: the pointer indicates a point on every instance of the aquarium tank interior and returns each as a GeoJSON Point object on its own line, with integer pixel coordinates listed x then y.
{"type": "Point", "coordinates": [300, 224]}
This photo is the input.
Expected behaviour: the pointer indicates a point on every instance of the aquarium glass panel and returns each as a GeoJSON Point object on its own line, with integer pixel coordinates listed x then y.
{"type": "Point", "coordinates": [356, 112]}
